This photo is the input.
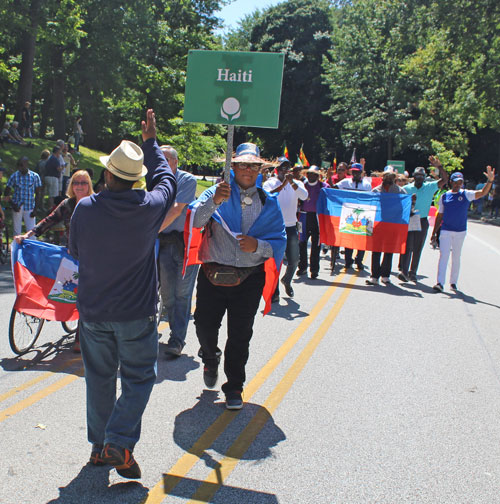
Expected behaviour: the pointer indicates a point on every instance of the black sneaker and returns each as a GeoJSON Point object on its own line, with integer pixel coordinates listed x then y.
{"type": "Point", "coordinates": [301, 272]}
{"type": "Point", "coordinates": [413, 277]}
{"type": "Point", "coordinates": [122, 460]}
{"type": "Point", "coordinates": [402, 277]}
{"type": "Point", "coordinates": [438, 287]}
{"type": "Point", "coordinates": [96, 455]}
{"type": "Point", "coordinates": [314, 275]}
{"type": "Point", "coordinates": [359, 266]}
{"type": "Point", "coordinates": [210, 376]}
{"type": "Point", "coordinates": [454, 287]}
{"type": "Point", "coordinates": [234, 400]}
{"type": "Point", "coordinates": [348, 266]}
{"type": "Point", "coordinates": [173, 347]}
{"type": "Point", "coordinates": [288, 288]}
{"type": "Point", "coordinates": [275, 298]}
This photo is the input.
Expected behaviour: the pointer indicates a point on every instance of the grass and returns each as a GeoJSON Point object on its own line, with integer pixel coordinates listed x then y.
{"type": "Point", "coordinates": [201, 185]}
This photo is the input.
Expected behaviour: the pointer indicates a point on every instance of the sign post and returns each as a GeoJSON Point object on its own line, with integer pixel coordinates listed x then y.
{"type": "Point", "coordinates": [235, 89]}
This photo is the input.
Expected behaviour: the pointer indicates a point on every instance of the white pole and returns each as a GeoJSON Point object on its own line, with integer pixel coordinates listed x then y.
{"type": "Point", "coordinates": [229, 152]}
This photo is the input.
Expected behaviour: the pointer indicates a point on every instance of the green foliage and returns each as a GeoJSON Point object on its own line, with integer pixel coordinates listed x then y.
{"type": "Point", "coordinates": [449, 160]}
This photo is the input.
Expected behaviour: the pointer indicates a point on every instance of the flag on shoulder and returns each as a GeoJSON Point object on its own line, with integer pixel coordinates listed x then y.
{"type": "Point", "coordinates": [364, 220]}
{"type": "Point", "coordinates": [46, 280]}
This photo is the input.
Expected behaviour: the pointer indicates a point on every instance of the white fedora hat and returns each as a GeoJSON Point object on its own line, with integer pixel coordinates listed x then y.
{"type": "Point", "coordinates": [126, 161]}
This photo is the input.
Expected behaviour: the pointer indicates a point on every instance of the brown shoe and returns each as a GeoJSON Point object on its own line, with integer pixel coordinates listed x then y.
{"type": "Point", "coordinates": [122, 460]}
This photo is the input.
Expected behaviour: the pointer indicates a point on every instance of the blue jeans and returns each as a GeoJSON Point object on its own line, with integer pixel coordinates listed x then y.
{"type": "Point", "coordinates": [106, 347]}
{"type": "Point", "coordinates": [176, 292]}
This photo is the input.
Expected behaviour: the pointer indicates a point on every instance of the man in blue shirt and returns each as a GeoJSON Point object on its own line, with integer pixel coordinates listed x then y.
{"type": "Point", "coordinates": [452, 218]}
{"type": "Point", "coordinates": [424, 191]}
{"type": "Point", "coordinates": [113, 235]}
{"type": "Point", "coordinates": [26, 185]}
{"type": "Point", "coordinates": [176, 289]}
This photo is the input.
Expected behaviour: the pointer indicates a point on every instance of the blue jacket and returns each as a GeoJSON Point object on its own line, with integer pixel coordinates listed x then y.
{"type": "Point", "coordinates": [112, 234]}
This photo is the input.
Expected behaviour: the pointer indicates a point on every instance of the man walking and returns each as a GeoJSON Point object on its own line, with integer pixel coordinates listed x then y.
{"type": "Point", "coordinates": [309, 224]}
{"type": "Point", "coordinates": [113, 236]}
{"type": "Point", "coordinates": [176, 289]}
{"type": "Point", "coordinates": [289, 191]}
{"type": "Point", "coordinates": [424, 191]}
{"type": "Point", "coordinates": [452, 219]}
{"type": "Point", "coordinates": [26, 186]}
{"type": "Point", "coordinates": [244, 229]}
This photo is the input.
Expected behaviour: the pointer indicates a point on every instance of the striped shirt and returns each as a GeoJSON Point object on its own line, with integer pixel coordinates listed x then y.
{"type": "Point", "coordinates": [24, 188]}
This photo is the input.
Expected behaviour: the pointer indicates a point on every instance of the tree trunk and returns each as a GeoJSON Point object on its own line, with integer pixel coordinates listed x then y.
{"type": "Point", "coordinates": [89, 118]}
{"type": "Point", "coordinates": [25, 88]}
{"type": "Point", "coordinates": [389, 148]}
{"type": "Point", "coordinates": [58, 90]}
{"type": "Point", "coordinates": [46, 109]}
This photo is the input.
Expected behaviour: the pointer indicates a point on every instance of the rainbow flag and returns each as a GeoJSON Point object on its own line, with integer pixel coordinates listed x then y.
{"type": "Point", "coordinates": [364, 220]}
{"type": "Point", "coordinates": [46, 280]}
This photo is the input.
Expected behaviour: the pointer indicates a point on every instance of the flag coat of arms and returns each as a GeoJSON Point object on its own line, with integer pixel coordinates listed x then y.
{"type": "Point", "coordinates": [269, 227]}
{"type": "Point", "coordinates": [364, 220]}
{"type": "Point", "coordinates": [46, 280]}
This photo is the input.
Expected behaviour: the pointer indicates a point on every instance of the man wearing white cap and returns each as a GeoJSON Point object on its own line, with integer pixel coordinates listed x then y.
{"type": "Point", "coordinates": [452, 218]}
{"type": "Point", "coordinates": [113, 236]}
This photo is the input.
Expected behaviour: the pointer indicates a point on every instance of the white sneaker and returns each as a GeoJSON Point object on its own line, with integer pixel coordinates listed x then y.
{"type": "Point", "coordinates": [372, 281]}
{"type": "Point", "coordinates": [438, 287]}
{"type": "Point", "coordinates": [386, 280]}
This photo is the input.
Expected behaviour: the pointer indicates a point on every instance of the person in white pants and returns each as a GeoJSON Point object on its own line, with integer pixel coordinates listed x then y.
{"type": "Point", "coordinates": [26, 186]}
{"type": "Point", "coordinates": [452, 218]}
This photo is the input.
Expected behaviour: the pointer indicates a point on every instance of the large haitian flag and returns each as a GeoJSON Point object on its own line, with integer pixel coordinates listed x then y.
{"type": "Point", "coordinates": [364, 220]}
{"type": "Point", "coordinates": [46, 280]}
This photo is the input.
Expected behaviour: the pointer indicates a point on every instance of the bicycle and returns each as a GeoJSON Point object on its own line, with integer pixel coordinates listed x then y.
{"type": "Point", "coordinates": [4, 243]}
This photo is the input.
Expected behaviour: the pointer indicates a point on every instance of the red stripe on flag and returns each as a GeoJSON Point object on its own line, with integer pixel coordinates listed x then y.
{"type": "Point", "coordinates": [32, 297]}
{"type": "Point", "coordinates": [387, 236]}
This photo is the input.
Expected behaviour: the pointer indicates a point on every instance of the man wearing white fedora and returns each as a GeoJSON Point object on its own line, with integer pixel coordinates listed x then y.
{"type": "Point", "coordinates": [113, 235]}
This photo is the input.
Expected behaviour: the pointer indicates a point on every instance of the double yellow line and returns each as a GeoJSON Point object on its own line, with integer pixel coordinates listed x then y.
{"type": "Point", "coordinates": [216, 478]}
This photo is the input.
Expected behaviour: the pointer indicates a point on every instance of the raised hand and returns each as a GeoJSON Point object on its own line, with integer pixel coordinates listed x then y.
{"type": "Point", "coordinates": [149, 126]}
{"type": "Point", "coordinates": [434, 161]}
{"type": "Point", "coordinates": [489, 173]}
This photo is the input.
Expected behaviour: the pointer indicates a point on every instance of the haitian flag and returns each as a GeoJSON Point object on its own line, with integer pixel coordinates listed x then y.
{"type": "Point", "coordinates": [364, 220]}
{"type": "Point", "coordinates": [46, 280]}
{"type": "Point", "coordinates": [269, 226]}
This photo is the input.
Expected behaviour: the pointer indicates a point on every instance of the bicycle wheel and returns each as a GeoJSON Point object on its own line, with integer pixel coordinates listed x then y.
{"type": "Point", "coordinates": [23, 331]}
{"type": "Point", "coordinates": [71, 326]}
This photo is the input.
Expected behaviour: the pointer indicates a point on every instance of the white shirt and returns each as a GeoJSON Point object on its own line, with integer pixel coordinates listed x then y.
{"type": "Point", "coordinates": [288, 198]}
{"type": "Point", "coordinates": [348, 184]}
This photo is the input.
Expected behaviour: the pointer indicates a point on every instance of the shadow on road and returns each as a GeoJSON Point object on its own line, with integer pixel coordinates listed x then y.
{"type": "Point", "coordinates": [92, 485]}
{"type": "Point", "coordinates": [253, 427]}
{"type": "Point", "coordinates": [6, 282]}
{"type": "Point", "coordinates": [468, 299]}
{"type": "Point", "coordinates": [290, 311]}
{"type": "Point", "coordinates": [56, 357]}
{"type": "Point", "coordinates": [174, 368]}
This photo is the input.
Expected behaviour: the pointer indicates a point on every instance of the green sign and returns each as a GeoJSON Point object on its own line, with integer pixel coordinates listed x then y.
{"type": "Point", "coordinates": [325, 164]}
{"type": "Point", "coordinates": [234, 88]}
{"type": "Point", "coordinates": [399, 165]}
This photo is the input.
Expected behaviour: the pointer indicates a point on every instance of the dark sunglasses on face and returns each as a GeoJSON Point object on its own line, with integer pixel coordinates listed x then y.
{"type": "Point", "coordinates": [83, 182]}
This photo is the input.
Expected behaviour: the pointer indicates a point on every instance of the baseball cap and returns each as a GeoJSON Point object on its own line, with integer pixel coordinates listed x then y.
{"type": "Point", "coordinates": [389, 169]}
{"type": "Point", "coordinates": [283, 160]}
{"type": "Point", "coordinates": [419, 170]}
{"type": "Point", "coordinates": [456, 176]}
{"type": "Point", "coordinates": [357, 167]}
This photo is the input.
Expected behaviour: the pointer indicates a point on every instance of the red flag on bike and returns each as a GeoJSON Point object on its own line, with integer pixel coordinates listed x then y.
{"type": "Point", "coordinates": [46, 280]}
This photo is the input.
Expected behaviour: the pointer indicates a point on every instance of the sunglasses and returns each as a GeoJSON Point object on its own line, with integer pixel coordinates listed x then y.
{"type": "Point", "coordinates": [83, 182]}
{"type": "Point", "coordinates": [245, 166]}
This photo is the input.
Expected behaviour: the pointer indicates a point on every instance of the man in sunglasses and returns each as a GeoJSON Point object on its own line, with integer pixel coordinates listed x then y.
{"type": "Point", "coordinates": [241, 251]}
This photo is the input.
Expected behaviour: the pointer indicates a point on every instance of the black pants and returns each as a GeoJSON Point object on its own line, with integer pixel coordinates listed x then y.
{"type": "Point", "coordinates": [414, 246]}
{"type": "Point", "coordinates": [312, 231]}
{"type": "Point", "coordinates": [241, 303]}
{"type": "Point", "coordinates": [384, 269]}
{"type": "Point", "coordinates": [348, 257]}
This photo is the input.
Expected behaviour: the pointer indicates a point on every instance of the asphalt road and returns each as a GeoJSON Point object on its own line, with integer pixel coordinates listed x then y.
{"type": "Point", "coordinates": [354, 394]}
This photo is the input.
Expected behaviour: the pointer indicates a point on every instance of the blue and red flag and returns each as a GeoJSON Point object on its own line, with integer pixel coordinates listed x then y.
{"type": "Point", "coordinates": [364, 220]}
{"type": "Point", "coordinates": [269, 226]}
{"type": "Point", "coordinates": [46, 280]}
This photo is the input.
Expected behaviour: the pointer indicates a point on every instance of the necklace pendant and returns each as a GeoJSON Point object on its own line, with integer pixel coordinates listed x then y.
{"type": "Point", "coordinates": [247, 200]}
